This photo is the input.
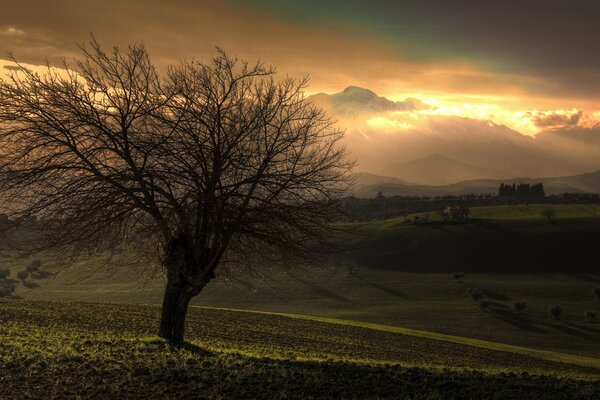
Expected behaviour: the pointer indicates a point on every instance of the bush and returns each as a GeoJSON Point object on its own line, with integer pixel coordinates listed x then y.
{"type": "Point", "coordinates": [6, 291]}
{"type": "Point", "coordinates": [519, 306]}
{"type": "Point", "coordinates": [4, 273]}
{"type": "Point", "coordinates": [554, 311]}
{"type": "Point", "coordinates": [34, 266]}
{"type": "Point", "coordinates": [457, 276]}
{"type": "Point", "coordinates": [590, 315]}
{"type": "Point", "coordinates": [22, 275]}
{"type": "Point", "coordinates": [484, 305]}
{"type": "Point", "coordinates": [596, 293]}
{"type": "Point", "coordinates": [476, 294]}
{"type": "Point", "coordinates": [550, 214]}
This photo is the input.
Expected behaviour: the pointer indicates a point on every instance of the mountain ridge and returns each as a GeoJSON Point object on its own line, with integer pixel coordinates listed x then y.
{"type": "Point", "coordinates": [382, 134]}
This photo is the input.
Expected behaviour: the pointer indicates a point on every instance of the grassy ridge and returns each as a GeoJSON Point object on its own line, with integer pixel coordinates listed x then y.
{"type": "Point", "coordinates": [58, 350]}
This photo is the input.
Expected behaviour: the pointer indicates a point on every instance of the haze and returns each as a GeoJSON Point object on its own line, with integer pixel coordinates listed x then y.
{"type": "Point", "coordinates": [478, 90]}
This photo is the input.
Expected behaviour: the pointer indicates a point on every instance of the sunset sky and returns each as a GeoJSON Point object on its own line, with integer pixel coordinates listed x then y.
{"type": "Point", "coordinates": [530, 65]}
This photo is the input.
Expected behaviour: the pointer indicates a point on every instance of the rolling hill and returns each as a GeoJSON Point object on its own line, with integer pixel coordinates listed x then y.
{"type": "Point", "coordinates": [440, 170]}
{"type": "Point", "coordinates": [400, 274]}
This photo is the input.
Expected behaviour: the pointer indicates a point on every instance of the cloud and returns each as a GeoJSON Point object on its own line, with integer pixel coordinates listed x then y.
{"type": "Point", "coordinates": [555, 119]}
{"type": "Point", "coordinates": [12, 31]}
{"type": "Point", "coordinates": [190, 29]}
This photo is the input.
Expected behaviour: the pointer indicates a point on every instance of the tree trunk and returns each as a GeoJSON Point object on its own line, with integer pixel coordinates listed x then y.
{"type": "Point", "coordinates": [174, 309]}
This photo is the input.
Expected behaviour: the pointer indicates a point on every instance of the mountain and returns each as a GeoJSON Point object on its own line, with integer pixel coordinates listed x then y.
{"type": "Point", "coordinates": [355, 100]}
{"type": "Point", "coordinates": [441, 170]}
{"type": "Point", "coordinates": [365, 178]}
{"type": "Point", "coordinates": [408, 140]}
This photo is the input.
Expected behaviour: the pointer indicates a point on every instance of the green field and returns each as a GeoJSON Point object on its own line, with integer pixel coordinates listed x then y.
{"type": "Point", "coordinates": [396, 282]}
{"type": "Point", "coordinates": [527, 212]}
{"type": "Point", "coordinates": [58, 350]}
{"type": "Point", "coordinates": [375, 286]}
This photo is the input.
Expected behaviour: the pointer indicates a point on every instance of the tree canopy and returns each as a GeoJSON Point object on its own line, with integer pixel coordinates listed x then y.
{"type": "Point", "coordinates": [211, 161]}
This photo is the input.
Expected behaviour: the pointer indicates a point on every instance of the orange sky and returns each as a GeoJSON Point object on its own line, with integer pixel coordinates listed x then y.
{"type": "Point", "coordinates": [335, 52]}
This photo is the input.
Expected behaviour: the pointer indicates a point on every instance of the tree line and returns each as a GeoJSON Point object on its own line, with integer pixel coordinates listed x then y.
{"type": "Point", "coordinates": [522, 190]}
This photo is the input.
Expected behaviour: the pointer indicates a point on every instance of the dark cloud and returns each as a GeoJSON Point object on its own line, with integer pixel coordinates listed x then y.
{"type": "Point", "coordinates": [547, 48]}
{"type": "Point", "coordinates": [555, 119]}
{"type": "Point", "coordinates": [553, 42]}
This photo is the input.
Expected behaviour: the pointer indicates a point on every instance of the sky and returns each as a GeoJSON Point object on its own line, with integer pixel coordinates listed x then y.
{"type": "Point", "coordinates": [531, 65]}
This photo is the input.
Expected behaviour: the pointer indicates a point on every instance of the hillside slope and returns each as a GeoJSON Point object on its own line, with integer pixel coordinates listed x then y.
{"type": "Point", "coordinates": [401, 274]}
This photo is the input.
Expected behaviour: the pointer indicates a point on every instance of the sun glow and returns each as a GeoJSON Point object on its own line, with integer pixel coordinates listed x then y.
{"type": "Point", "coordinates": [508, 111]}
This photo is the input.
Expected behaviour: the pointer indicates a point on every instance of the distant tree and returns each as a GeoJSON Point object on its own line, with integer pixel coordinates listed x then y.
{"type": "Point", "coordinates": [484, 305]}
{"type": "Point", "coordinates": [522, 191]}
{"type": "Point", "coordinates": [7, 285]}
{"type": "Point", "coordinates": [550, 214]}
{"type": "Point", "coordinates": [458, 276]}
{"type": "Point", "coordinates": [34, 266]}
{"type": "Point", "coordinates": [22, 275]}
{"type": "Point", "coordinates": [519, 306]}
{"type": "Point", "coordinates": [211, 163]}
{"type": "Point", "coordinates": [555, 311]}
{"type": "Point", "coordinates": [596, 293]}
{"type": "Point", "coordinates": [6, 291]}
{"type": "Point", "coordinates": [590, 315]}
{"type": "Point", "coordinates": [475, 293]}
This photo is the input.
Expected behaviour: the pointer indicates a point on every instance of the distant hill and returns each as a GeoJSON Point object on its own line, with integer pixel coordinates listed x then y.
{"type": "Point", "coordinates": [441, 170]}
{"type": "Point", "coordinates": [583, 183]}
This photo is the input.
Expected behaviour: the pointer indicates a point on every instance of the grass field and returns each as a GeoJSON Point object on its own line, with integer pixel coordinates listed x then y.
{"type": "Point", "coordinates": [402, 277]}
{"type": "Point", "coordinates": [58, 350]}
{"type": "Point", "coordinates": [387, 320]}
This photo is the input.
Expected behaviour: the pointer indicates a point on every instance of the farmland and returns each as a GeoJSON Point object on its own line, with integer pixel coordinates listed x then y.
{"type": "Point", "coordinates": [389, 309]}
{"type": "Point", "coordinates": [101, 350]}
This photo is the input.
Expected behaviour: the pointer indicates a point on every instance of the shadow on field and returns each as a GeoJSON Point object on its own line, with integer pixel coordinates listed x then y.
{"type": "Point", "coordinates": [194, 348]}
{"type": "Point", "coordinates": [30, 285]}
{"type": "Point", "coordinates": [523, 322]}
{"type": "Point", "coordinates": [590, 278]}
{"type": "Point", "coordinates": [321, 291]}
{"type": "Point", "coordinates": [492, 294]}
{"type": "Point", "coordinates": [517, 320]}
{"type": "Point", "coordinates": [569, 330]}
{"type": "Point", "coordinates": [393, 292]}
{"type": "Point", "coordinates": [518, 246]}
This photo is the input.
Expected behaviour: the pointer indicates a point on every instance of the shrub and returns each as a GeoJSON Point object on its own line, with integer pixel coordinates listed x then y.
{"type": "Point", "coordinates": [590, 315]}
{"type": "Point", "coordinates": [22, 275]}
{"type": "Point", "coordinates": [596, 293]}
{"type": "Point", "coordinates": [457, 276]}
{"type": "Point", "coordinates": [34, 266]}
{"type": "Point", "coordinates": [549, 213]}
{"type": "Point", "coordinates": [484, 305]}
{"type": "Point", "coordinates": [554, 311]}
{"type": "Point", "coordinates": [6, 291]}
{"type": "Point", "coordinates": [476, 294]}
{"type": "Point", "coordinates": [519, 306]}
{"type": "Point", "coordinates": [4, 273]}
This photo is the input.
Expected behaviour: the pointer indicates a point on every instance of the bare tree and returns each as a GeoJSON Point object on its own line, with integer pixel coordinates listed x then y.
{"type": "Point", "coordinates": [211, 163]}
